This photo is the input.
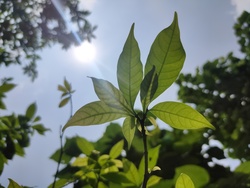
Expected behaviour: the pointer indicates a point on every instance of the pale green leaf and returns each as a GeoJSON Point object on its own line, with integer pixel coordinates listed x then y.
{"type": "Point", "coordinates": [110, 95]}
{"type": "Point", "coordinates": [129, 69]}
{"type": "Point", "coordinates": [184, 181]}
{"type": "Point", "coordinates": [64, 102]}
{"type": "Point", "coordinates": [153, 154]}
{"type": "Point", "coordinates": [180, 116]}
{"type": "Point", "coordinates": [244, 168]}
{"type": "Point", "coordinates": [116, 150]}
{"type": "Point", "coordinates": [31, 110]}
{"type": "Point", "coordinates": [128, 129]}
{"type": "Point", "coordinates": [153, 180]}
{"type": "Point", "coordinates": [13, 184]}
{"type": "Point", "coordinates": [148, 88]}
{"type": "Point", "coordinates": [198, 175]}
{"type": "Point", "coordinates": [94, 113]}
{"type": "Point", "coordinates": [85, 146]}
{"type": "Point", "coordinates": [167, 55]}
{"type": "Point", "coordinates": [131, 172]}
{"type": "Point", "coordinates": [81, 162]}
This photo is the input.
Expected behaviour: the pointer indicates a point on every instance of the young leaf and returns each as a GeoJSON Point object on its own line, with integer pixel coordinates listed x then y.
{"type": "Point", "coordinates": [180, 116]}
{"type": "Point", "coordinates": [116, 149]}
{"type": "Point", "coordinates": [95, 113]}
{"type": "Point", "coordinates": [148, 88]}
{"type": "Point", "coordinates": [31, 110]}
{"type": "Point", "coordinates": [184, 181]}
{"type": "Point", "coordinates": [129, 69]}
{"type": "Point", "coordinates": [67, 85]}
{"type": "Point", "coordinates": [64, 102]}
{"type": "Point", "coordinates": [167, 55]}
{"type": "Point", "coordinates": [128, 129]}
{"type": "Point", "coordinates": [62, 89]}
{"type": "Point", "coordinates": [110, 95]}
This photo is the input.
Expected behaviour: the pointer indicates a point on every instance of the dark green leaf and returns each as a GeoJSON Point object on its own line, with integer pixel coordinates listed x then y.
{"type": "Point", "coordinates": [13, 184]}
{"type": "Point", "coordinates": [6, 87]}
{"type": "Point", "coordinates": [149, 86]}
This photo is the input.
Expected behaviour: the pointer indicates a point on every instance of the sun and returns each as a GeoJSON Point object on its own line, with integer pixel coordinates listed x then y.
{"type": "Point", "coordinates": [85, 53]}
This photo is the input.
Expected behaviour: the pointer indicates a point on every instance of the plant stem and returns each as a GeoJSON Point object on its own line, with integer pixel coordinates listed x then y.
{"type": "Point", "coordinates": [60, 157]}
{"type": "Point", "coordinates": [144, 138]}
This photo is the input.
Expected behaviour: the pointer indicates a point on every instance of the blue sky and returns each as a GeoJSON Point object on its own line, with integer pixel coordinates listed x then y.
{"type": "Point", "coordinates": [206, 33]}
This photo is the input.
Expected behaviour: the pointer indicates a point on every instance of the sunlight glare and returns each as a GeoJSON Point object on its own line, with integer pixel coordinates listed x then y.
{"type": "Point", "coordinates": [85, 53]}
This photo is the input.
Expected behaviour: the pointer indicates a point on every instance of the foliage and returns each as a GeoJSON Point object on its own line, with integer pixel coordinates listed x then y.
{"type": "Point", "coordinates": [221, 91]}
{"type": "Point", "coordinates": [164, 62]}
{"type": "Point", "coordinates": [28, 26]}
{"type": "Point", "coordinates": [16, 130]}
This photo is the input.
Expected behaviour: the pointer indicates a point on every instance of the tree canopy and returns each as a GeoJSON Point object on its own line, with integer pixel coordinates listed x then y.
{"type": "Point", "coordinates": [27, 26]}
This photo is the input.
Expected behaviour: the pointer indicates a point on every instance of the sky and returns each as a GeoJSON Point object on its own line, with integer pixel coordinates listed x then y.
{"type": "Point", "coordinates": [206, 34]}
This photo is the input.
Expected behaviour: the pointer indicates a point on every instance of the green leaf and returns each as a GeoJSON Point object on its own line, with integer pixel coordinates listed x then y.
{"type": "Point", "coordinates": [184, 181]}
{"type": "Point", "coordinates": [153, 180]}
{"type": "Point", "coordinates": [167, 55]}
{"type": "Point", "coordinates": [149, 86]}
{"type": "Point", "coordinates": [129, 69]}
{"type": "Point", "coordinates": [13, 184]}
{"type": "Point", "coordinates": [60, 183]}
{"type": "Point", "coordinates": [85, 146]}
{"type": "Point", "coordinates": [40, 128]}
{"type": "Point", "coordinates": [62, 88]}
{"type": "Point", "coordinates": [116, 149]}
{"type": "Point", "coordinates": [128, 129]}
{"type": "Point", "coordinates": [198, 175]}
{"type": "Point", "coordinates": [153, 154]}
{"type": "Point", "coordinates": [110, 95]}
{"type": "Point", "coordinates": [64, 102]}
{"type": "Point", "coordinates": [6, 87]}
{"type": "Point", "coordinates": [94, 113]}
{"type": "Point", "coordinates": [81, 162]}
{"type": "Point", "coordinates": [244, 168]}
{"type": "Point", "coordinates": [31, 110]}
{"type": "Point", "coordinates": [116, 177]}
{"type": "Point", "coordinates": [131, 172]}
{"type": "Point", "coordinates": [180, 116]}
{"type": "Point", "coordinates": [67, 85]}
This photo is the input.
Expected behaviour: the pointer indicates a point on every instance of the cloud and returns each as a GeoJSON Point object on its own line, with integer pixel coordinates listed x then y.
{"type": "Point", "coordinates": [240, 6]}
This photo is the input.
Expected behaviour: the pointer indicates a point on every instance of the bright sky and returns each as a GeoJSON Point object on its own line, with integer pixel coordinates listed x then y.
{"type": "Point", "coordinates": [206, 32]}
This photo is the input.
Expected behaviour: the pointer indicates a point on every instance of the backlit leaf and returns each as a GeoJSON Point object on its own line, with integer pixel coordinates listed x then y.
{"type": "Point", "coordinates": [244, 167]}
{"type": "Point", "coordinates": [129, 69]}
{"type": "Point", "coordinates": [180, 116]}
{"type": "Point", "coordinates": [184, 181]}
{"type": "Point", "coordinates": [94, 113]}
{"type": "Point", "coordinates": [6, 87]}
{"type": "Point", "coordinates": [197, 174]}
{"type": "Point", "coordinates": [128, 129]}
{"type": "Point", "coordinates": [85, 146]}
{"type": "Point", "coordinates": [116, 149]}
{"type": "Point", "coordinates": [167, 55]}
{"type": "Point", "coordinates": [110, 95]}
{"type": "Point", "coordinates": [131, 172]}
